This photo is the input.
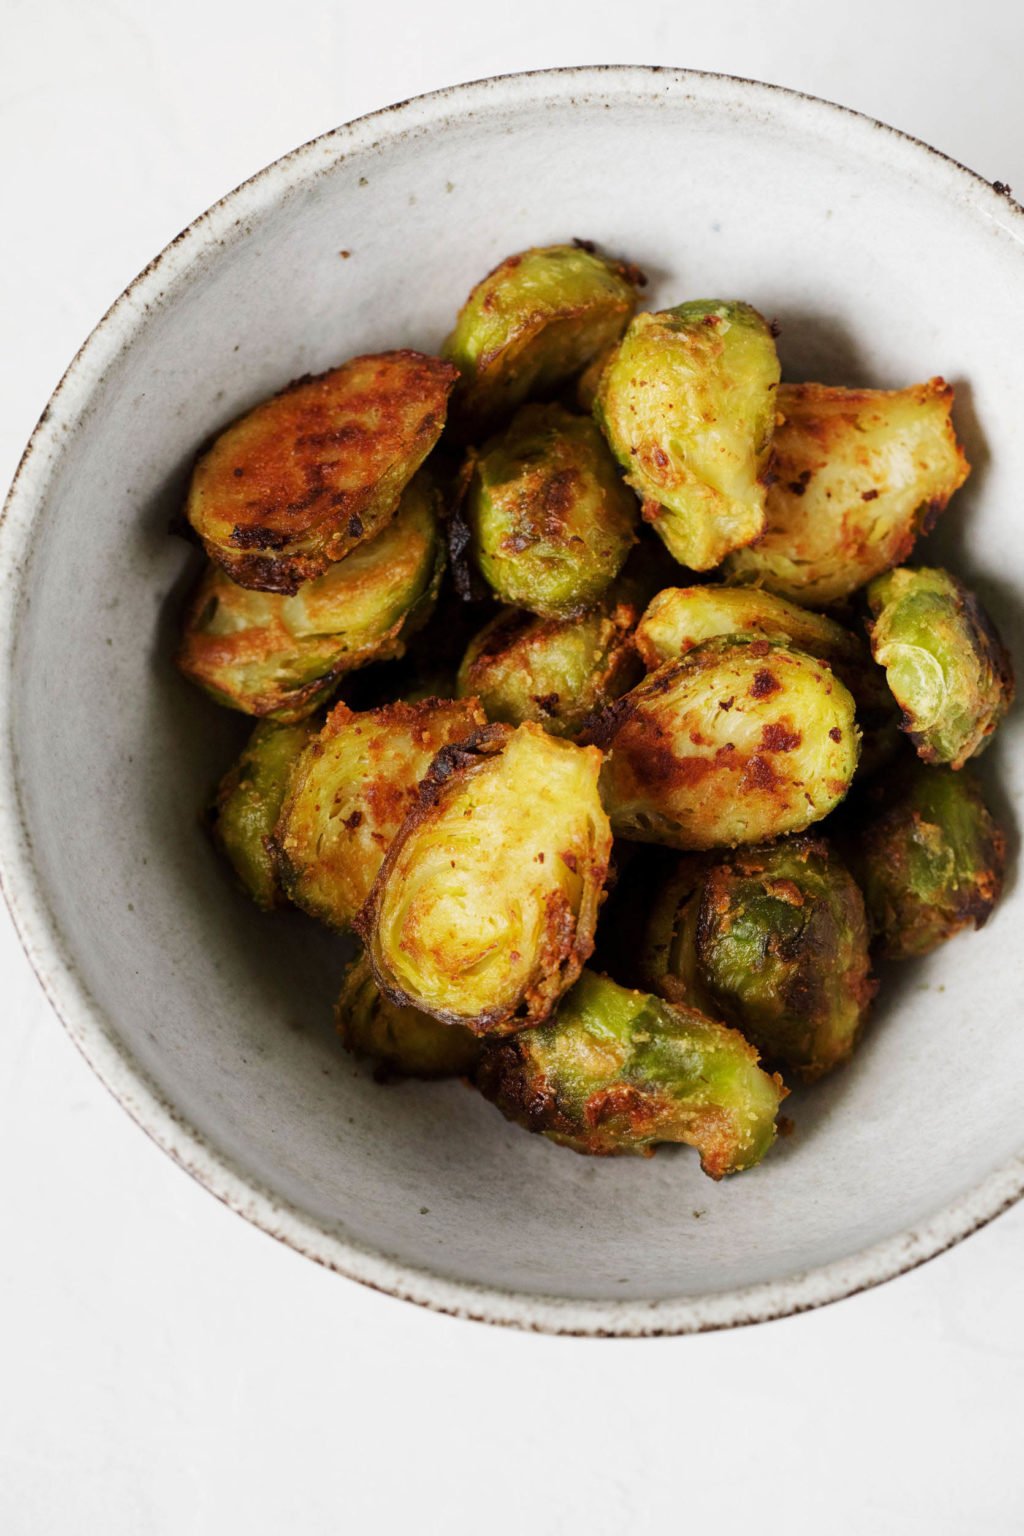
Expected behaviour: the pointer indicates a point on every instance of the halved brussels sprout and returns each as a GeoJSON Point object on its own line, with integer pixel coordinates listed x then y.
{"type": "Point", "coordinates": [859, 474]}
{"type": "Point", "coordinates": [533, 323]}
{"type": "Point", "coordinates": [550, 520]}
{"type": "Point", "coordinates": [773, 940]}
{"type": "Point", "coordinates": [930, 863]}
{"type": "Point", "coordinates": [679, 618]}
{"type": "Point", "coordinates": [267, 654]}
{"type": "Point", "coordinates": [484, 910]}
{"type": "Point", "coordinates": [248, 803]}
{"type": "Point", "coordinates": [554, 671]}
{"type": "Point", "coordinates": [349, 793]}
{"type": "Point", "coordinates": [687, 403]}
{"type": "Point", "coordinates": [303, 478]}
{"type": "Point", "coordinates": [619, 1071]}
{"type": "Point", "coordinates": [947, 668]}
{"type": "Point", "coordinates": [402, 1041]}
{"type": "Point", "coordinates": [736, 742]}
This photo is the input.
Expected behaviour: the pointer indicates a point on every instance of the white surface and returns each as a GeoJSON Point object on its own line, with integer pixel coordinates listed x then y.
{"type": "Point", "coordinates": [164, 1366]}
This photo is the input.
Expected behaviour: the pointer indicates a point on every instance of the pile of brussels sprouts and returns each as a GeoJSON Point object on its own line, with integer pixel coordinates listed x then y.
{"type": "Point", "coordinates": [569, 756]}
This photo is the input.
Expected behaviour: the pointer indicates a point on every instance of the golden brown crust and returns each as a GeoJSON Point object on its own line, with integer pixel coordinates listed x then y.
{"type": "Point", "coordinates": [859, 476]}
{"type": "Point", "coordinates": [306, 476]}
{"type": "Point", "coordinates": [741, 749]}
{"type": "Point", "coordinates": [349, 794]}
{"type": "Point", "coordinates": [565, 940]}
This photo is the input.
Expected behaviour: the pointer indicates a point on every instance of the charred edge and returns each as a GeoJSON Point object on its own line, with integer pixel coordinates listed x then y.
{"type": "Point", "coordinates": [457, 758]}
{"type": "Point", "coordinates": [991, 647]}
{"type": "Point", "coordinates": [469, 585]}
{"type": "Point", "coordinates": [601, 728]}
{"type": "Point", "coordinates": [283, 574]}
{"type": "Point", "coordinates": [507, 1078]}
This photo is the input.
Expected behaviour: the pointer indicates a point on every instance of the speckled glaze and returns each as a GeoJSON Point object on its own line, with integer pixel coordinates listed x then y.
{"type": "Point", "coordinates": [884, 263]}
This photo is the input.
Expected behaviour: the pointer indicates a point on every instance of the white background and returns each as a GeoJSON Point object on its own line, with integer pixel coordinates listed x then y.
{"type": "Point", "coordinates": [166, 1368]}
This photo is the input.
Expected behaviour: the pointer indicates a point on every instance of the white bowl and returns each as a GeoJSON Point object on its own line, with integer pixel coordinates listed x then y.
{"type": "Point", "coordinates": [884, 263]}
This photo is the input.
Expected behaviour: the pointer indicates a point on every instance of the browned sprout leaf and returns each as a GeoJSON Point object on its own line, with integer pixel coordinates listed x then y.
{"type": "Point", "coordinates": [551, 521]}
{"type": "Point", "coordinates": [679, 618]}
{"type": "Point", "coordinates": [556, 672]}
{"type": "Point", "coordinates": [531, 325]}
{"type": "Point", "coordinates": [930, 860]}
{"type": "Point", "coordinates": [349, 794]}
{"type": "Point", "coordinates": [484, 910]}
{"type": "Point", "coordinates": [267, 654]}
{"type": "Point", "coordinates": [620, 1071]}
{"type": "Point", "coordinates": [248, 804]}
{"type": "Point", "coordinates": [305, 477]}
{"type": "Point", "coordinates": [687, 402]}
{"type": "Point", "coordinates": [736, 742]}
{"type": "Point", "coordinates": [859, 474]}
{"type": "Point", "coordinates": [775, 941]}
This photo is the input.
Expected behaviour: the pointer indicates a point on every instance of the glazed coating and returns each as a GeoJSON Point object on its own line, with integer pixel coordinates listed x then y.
{"type": "Point", "coordinates": [484, 910]}
{"type": "Point", "coordinates": [349, 793]}
{"type": "Point", "coordinates": [282, 657]}
{"type": "Point", "coordinates": [620, 1071]}
{"type": "Point", "coordinates": [687, 403]}
{"type": "Point", "coordinates": [530, 325]}
{"type": "Point", "coordinates": [306, 476]}
{"type": "Point", "coordinates": [775, 941]}
{"type": "Point", "coordinates": [858, 476]}
{"type": "Point", "coordinates": [550, 520]}
{"type": "Point", "coordinates": [735, 742]}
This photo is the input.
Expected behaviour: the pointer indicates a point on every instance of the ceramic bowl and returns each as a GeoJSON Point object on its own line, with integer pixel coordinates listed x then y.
{"type": "Point", "coordinates": [884, 263]}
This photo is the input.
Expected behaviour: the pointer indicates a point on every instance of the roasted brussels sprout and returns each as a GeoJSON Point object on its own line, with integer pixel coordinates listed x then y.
{"type": "Point", "coordinates": [484, 909]}
{"type": "Point", "coordinates": [859, 474]}
{"type": "Point", "coordinates": [619, 1071]}
{"type": "Point", "coordinates": [773, 940]}
{"type": "Point", "coordinates": [930, 862]}
{"type": "Point", "coordinates": [736, 742]}
{"type": "Point", "coordinates": [557, 672]}
{"type": "Point", "coordinates": [402, 1041]}
{"type": "Point", "coordinates": [948, 670]}
{"type": "Point", "coordinates": [248, 803]}
{"type": "Point", "coordinates": [550, 519]}
{"type": "Point", "coordinates": [679, 618]}
{"type": "Point", "coordinates": [267, 654]}
{"type": "Point", "coordinates": [349, 793]}
{"type": "Point", "coordinates": [309, 474]}
{"type": "Point", "coordinates": [533, 323]}
{"type": "Point", "coordinates": [687, 403]}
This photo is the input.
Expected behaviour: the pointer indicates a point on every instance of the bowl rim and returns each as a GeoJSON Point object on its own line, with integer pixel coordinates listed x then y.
{"type": "Point", "coordinates": [20, 883]}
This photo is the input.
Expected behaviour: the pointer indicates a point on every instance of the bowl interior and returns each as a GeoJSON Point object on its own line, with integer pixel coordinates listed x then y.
{"type": "Point", "coordinates": [880, 272]}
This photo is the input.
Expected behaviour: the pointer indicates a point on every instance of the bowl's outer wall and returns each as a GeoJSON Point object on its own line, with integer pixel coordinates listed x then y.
{"type": "Point", "coordinates": [882, 267]}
